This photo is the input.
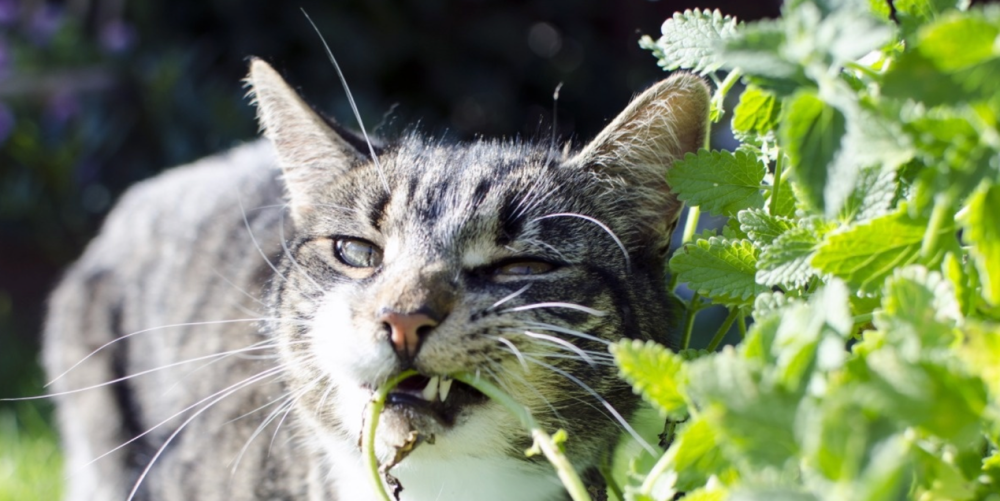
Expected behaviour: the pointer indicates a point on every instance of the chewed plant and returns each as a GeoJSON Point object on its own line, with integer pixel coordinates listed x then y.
{"type": "Point", "coordinates": [863, 239]}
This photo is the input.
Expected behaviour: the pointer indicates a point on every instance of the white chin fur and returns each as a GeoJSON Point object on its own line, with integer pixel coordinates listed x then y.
{"type": "Point", "coordinates": [467, 461]}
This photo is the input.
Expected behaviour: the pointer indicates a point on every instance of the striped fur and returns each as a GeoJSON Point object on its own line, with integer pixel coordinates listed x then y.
{"type": "Point", "coordinates": [222, 281]}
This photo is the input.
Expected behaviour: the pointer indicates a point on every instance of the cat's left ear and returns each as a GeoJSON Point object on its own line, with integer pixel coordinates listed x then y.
{"type": "Point", "coordinates": [311, 150]}
{"type": "Point", "coordinates": [656, 129]}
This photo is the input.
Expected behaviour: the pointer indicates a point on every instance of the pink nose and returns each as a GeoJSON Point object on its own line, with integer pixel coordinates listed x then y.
{"type": "Point", "coordinates": [406, 331]}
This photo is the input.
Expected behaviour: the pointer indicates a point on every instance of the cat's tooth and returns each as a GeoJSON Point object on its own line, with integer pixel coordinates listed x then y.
{"type": "Point", "coordinates": [445, 388]}
{"type": "Point", "coordinates": [431, 390]}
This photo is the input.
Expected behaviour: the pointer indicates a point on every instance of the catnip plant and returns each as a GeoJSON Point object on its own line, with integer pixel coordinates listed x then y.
{"type": "Point", "coordinates": [862, 239]}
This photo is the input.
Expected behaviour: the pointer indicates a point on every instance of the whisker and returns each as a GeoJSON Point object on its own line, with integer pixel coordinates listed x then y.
{"type": "Point", "coordinates": [565, 330]}
{"type": "Point", "coordinates": [618, 417]}
{"type": "Point", "coordinates": [628, 261]}
{"type": "Point", "coordinates": [561, 342]}
{"type": "Point", "coordinates": [151, 329]}
{"type": "Point", "coordinates": [515, 351]}
{"type": "Point", "coordinates": [219, 355]}
{"type": "Point", "coordinates": [508, 297]}
{"type": "Point", "coordinates": [350, 99]}
{"type": "Point", "coordinates": [556, 304]}
{"type": "Point", "coordinates": [229, 391]}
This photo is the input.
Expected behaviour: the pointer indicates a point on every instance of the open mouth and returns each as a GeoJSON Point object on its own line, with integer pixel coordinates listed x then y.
{"type": "Point", "coordinates": [438, 396]}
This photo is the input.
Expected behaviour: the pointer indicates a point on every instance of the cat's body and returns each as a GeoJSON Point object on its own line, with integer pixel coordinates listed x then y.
{"type": "Point", "coordinates": [284, 280]}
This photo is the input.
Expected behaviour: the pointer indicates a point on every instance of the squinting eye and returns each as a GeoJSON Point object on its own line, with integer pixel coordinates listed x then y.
{"type": "Point", "coordinates": [524, 268]}
{"type": "Point", "coordinates": [357, 253]}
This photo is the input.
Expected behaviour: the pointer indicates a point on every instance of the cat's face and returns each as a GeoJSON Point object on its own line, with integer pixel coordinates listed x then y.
{"type": "Point", "coordinates": [499, 259]}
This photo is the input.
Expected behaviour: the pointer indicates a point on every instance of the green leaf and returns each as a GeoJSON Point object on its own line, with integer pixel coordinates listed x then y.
{"type": "Point", "coordinates": [786, 260]}
{"type": "Point", "coordinates": [655, 373]}
{"type": "Point", "coordinates": [926, 9]}
{"type": "Point", "coordinates": [720, 182]}
{"type": "Point", "coordinates": [981, 223]}
{"type": "Point", "coordinates": [689, 39]}
{"type": "Point", "coordinates": [865, 254]}
{"type": "Point", "coordinates": [981, 351]}
{"type": "Point", "coordinates": [811, 133]}
{"type": "Point", "coordinates": [762, 227]}
{"type": "Point", "coordinates": [756, 50]}
{"type": "Point", "coordinates": [753, 419]}
{"type": "Point", "coordinates": [919, 306]}
{"type": "Point", "coordinates": [757, 112]}
{"type": "Point", "coordinates": [872, 197]}
{"type": "Point", "coordinates": [720, 269]}
{"type": "Point", "coordinates": [959, 41]}
{"type": "Point", "coordinates": [695, 454]}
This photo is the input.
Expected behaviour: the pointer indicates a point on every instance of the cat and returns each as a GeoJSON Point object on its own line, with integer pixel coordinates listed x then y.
{"type": "Point", "coordinates": [228, 325]}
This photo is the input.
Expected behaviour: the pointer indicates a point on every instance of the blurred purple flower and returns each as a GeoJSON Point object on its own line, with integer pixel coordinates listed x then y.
{"type": "Point", "coordinates": [62, 107]}
{"type": "Point", "coordinates": [45, 21]}
{"type": "Point", "coordinates": [6, 123]}
{"type": "Point", "coordinates": [117, 36]}
{"type": "Point", "coordinates": [8, 11]}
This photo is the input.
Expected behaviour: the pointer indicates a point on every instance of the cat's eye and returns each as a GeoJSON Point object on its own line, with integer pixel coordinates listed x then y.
{"type": "Point", "coordinates": [357, 253]}
{"type": "Point", "coordinates": [522, 268]}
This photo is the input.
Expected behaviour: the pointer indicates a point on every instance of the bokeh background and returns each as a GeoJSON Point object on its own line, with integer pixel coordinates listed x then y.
{"type": "Point", "coordinates": [98, 94]}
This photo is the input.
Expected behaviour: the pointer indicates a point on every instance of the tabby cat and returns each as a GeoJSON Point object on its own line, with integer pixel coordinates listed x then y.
{"type": "Point", "coordinates": [230, 322]}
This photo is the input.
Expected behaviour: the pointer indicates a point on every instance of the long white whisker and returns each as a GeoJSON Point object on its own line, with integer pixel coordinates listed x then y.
{"type": "Point", "coordinates": [151, 329]}
{"type": "Point", "coordinates": [159, 452]}
{"type": "Point", "coordinates": [219, 355]}
{"type": "Point", "coordinates": [555, 304]}
{"type": "Point", "coordinates": [618, 417]}
{"type": "Point", "coordinates": [564, 330]}
{"type": "Point", "coordinates": [562, 342]}
{"type": "Point", "coordinates": [515, 351]}
{"type": "Point", "coordinates": [628, 261]}
{"type": "Point", "coordinates": [350, 99]}
{"type": "Point", "coordinates": [508, 297]}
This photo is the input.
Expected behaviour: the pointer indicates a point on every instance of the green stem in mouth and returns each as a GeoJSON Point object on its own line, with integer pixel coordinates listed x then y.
{"type": "Point", "coordinates": [543, 441]}
{"type": "Point", "coordinates": [368, 439]}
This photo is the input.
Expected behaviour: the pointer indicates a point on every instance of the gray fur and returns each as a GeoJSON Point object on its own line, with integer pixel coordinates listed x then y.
{"type": "Point", "coordinates": [239, 247]}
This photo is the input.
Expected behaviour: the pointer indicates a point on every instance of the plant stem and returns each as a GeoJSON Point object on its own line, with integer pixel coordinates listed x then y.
{"type": "Point", "coordinates": [564, 469]}
{"type": "Point", "coordinates": [941, 206]}
{"type": "Point", "coordinates": [778, 167]}
{"type": "Point", "coordinates": [690, 224]}
{"type": "Point", "coordinates": [693, 308]}
{"type": "Point", "coordinates": [723, 329]}
{"type": "Point", "coordinates": [743, 327]}
{"type": "Point", "coordinates": [368, 440]}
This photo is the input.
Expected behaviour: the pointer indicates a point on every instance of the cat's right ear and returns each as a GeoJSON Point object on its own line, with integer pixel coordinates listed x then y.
{"type": "Point", "coordinates": [310, 152]}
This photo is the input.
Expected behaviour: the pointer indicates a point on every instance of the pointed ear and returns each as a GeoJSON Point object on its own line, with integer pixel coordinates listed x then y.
{"type": "Point", "coordinates": [656, 129]}
{"type": "Point", "coordinates": [310, 152]}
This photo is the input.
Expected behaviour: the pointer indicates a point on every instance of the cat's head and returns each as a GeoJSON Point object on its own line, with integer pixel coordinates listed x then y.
{"type": "Point", "coordinates": [496, 257]}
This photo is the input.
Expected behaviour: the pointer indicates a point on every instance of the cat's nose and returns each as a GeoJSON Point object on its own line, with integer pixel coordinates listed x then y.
{"type": "Point", "coordinates": [406, 330]}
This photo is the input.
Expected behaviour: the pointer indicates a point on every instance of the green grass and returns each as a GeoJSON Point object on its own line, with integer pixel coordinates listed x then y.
{"type": "Point", "coordinates": [30, 460]}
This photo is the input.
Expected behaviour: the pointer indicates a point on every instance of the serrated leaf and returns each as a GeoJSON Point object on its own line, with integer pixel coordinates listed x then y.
{"type": "Point", "coordinates": [757, 112]}
{"type": "Point", "coordinates": [865, 254]}
{"type": "Point", "coordinates": [762, 227]}
{"type": "Point", "coordinates": [689, 39]}
{"type": "Point", "coordinates": [982, 230]}
{"type": "Point", "coordinates": [720, 182]}
{"type": "Point", "coordinates": [655, 373]}
{"type": "Point", "coordinates": [811, 132]}
{"type": "Point", "coordinates": [919, 309]}
{"type": "Point", "coordinates": [720, 269]}
{"type": "Point", "coordinates": [752, 418]}
{"type": "Point", "coordinates": [873, 195]}
{"type": "Point", "coordinates": [786, 260]}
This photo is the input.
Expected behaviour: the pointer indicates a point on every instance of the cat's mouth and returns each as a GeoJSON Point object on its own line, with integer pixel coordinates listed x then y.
{"type": "Point", "coordinates": [440, 397]}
